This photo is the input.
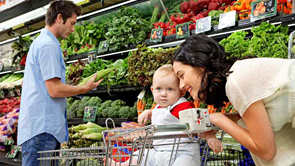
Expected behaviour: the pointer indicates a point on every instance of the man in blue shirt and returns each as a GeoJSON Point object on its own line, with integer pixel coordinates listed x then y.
{"type": "Point", "coordinates": [42, 121]}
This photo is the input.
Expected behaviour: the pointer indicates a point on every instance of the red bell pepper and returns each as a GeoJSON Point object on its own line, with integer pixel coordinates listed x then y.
{"type": "Point", "coordinates": [192, 26]}
{"type": "Point", "coordinates": [203, 4]}
{"type": "Point", "coordinates": [184, 6]}
{"type": "Point", "coordinates": [171, 28]}
{"type": "Point", "coordinates": [180, 18]}
{"type": "Point", "coordinates": [194, 6]}
{"type": "Point", "coordinates": [227, 2]}
{"type": "Point", "coordinates": [199, 16]}
{"type": "Point", "coordinates": [205, 13]}
{"type": "Point", "coordinates": [213, 6]}
{"type": "Point", "coordinates": [159, 25]}
{"type": "Point", "coordinates": [223, 7]}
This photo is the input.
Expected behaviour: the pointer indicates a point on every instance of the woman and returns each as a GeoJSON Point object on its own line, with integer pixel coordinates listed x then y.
{"type": "Point", "coordinates": [262, 90]}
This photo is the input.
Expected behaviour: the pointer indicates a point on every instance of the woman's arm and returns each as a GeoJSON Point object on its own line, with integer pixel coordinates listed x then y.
{"type": "Point", "coordinates": [259, 138]}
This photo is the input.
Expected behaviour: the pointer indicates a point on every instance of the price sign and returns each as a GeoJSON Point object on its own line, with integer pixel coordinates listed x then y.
{"type": "Point", "coordinates": [92, 56]}
{"type": "Point", "coordinates": [291, 46]}
{"type": "Point", "coordinates": [13, 152]}
{"type": "Point", "coordinates": [103, 47]}
{"type": "Point", "coordinates": [141, 95]}
{"type": "Point", "coordinates": [90, 113]}
{"type": "Point", "coordinates": [156, 35]}
{"type": "Point", "coordinates": [203, 25]}
{"type": "Point", "coordinates": [182, 30]}
{"type": "Point", "coordinates": [227, 19]}
{"type": "Point", "coordinates": [263, 9]}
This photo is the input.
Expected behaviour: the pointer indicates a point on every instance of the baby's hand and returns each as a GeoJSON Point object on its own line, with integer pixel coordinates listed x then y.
{"type": "Point", "coordinates": [144, 117]}
{"type": "Point", "coordinates": [215, 145]}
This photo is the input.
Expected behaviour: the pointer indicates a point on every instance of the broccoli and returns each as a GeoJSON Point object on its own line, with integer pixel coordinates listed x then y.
{"type": "Point", "coordinates": [105, 112]}
{"type": "Point", "coordinates": [119, 103]}
{"type": "Point", "coordinates": [125, 112]}
{"type": "Point", "coordinates": [70, 101]}
{"type": "Point", "coordinates": [99, 112]}
{"type": "Point", "coordinates": [114, 111]}
{"type": "Point", "coordinates": [94, 101]}
{"type": "Point", "coordinates": [80, 113]}
{"type": "Point", "coordinates": [133, 112]}
{"type": "Point", "coordinates": [106, 104]}
{"type": "Point", "coordinates": [83, 104]}
{"type": "Point", "coordinates": [72, 112]}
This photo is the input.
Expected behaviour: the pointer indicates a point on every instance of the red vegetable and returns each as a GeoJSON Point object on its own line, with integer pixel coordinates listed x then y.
{"type": "Point", "coordinates": [171, 28]}
{"type": "Point", "coordinates": [194, 6]}
{"type": "Point", "coordinates": [223, 7]}
{"type": "Point", "coordinates": [159, 25]}
{"type": "Point", "coordinates": [192, 26]}
{"type": "Point", "coordinates": [203, 4]}
{"type": "Point", "coordinates": [199, 16]}
{"type": "Point", "coordinates": [184, 6]}
{"type": "Point", "coordinates": [205, 13]}
{"type": "Point", "coordinates": [213, 6]}
{"type": "Point", "coordinates": [179, 18]}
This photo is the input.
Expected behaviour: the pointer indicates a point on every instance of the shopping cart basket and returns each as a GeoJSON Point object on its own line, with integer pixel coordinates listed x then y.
{"type": "Point", "coordinates": [73, 157]}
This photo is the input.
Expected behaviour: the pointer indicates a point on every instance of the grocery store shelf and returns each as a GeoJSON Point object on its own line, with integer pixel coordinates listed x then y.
{"type": "Point", "coordinates": [99, 121]}
{"type": "Point", "coordinates": [91, 9]}
{"type": "Point", "coordinates": [116, 88]}
{"type": "Point", "coordinates": [9, 161]}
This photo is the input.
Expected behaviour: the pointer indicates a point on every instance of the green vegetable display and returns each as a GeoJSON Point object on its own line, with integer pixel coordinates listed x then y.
{"type": "Point", "coordinates": [143, 62]}
{"type": "Point", "coordinates": [215, 16]}
{"type": "Point", "coordinates": [126, 28]}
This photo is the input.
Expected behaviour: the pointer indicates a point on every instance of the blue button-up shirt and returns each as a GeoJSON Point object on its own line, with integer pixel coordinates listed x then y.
{"type": "Point", "coordinates": [39, 112]}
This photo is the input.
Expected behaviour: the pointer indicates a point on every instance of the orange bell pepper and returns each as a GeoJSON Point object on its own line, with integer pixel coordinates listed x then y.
{"type": "Point", "coordinates": [244, 14]}
{"type": "Point", "coordinates": [289, 4]}
{"type": "Point", "coordinates": [248, 4]}
{"type": "Point", "coordinates": [240, 5]}
{"type": "Point", "coordinates": [287, 10]}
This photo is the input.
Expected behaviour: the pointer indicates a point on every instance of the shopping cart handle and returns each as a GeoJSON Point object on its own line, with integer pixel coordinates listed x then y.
{"type": "Point", "coordinates": [197, 119]}
{"type": "Point", "coordinates": [173, 127]}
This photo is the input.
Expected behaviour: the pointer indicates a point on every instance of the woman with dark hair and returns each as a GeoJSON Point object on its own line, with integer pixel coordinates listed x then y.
{"type": "Point", "coordinates": [262, 90]}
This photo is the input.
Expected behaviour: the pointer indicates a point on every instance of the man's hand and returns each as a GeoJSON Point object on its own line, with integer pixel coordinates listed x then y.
{"type": "Point", "coordinates": [91, 84]}
{"type": "Point", "coordinates": [144, 117]}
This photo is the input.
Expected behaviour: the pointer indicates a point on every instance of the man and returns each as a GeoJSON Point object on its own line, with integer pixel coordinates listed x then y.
{"type": "Point", "coordinates": [42, 122]}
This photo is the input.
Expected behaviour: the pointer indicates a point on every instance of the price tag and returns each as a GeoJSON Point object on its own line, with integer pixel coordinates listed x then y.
{"type": "Point", "coordinates": [103, 47]}
{"type": "Point", "coordinates": [291, 46]}
{"type": "Point", "coordinates": [182, 30]}
{"type": "Point", "coordinates": [156, 35]}
{"type": "Point", "coordinates": [90, 113]}
{"type": "Point", "coordinates": [1, 66]}
{"type": "Point", "coordinates": [227, 19]}
{"type": "Point", "coordinates": [92, 56]}
{"type": "Point", "coordinates": [203, 25]}
{"type": "Point", "coordinates": [263, 9]}
{"type": "Point", "coordinates": [293, 6]}
{"type": "Point", "coordinates": [13, 152]}
{"type": "Point", "coordinates": [141, 95]}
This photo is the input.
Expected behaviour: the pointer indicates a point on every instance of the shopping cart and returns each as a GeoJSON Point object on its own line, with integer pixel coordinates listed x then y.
{"type": "Point", "coordinates": [92, 156]}
{"type": "Point", "coordinates": [132, 145]}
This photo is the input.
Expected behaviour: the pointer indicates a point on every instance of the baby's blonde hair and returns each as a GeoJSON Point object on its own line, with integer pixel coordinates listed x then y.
{"type": "Point", "coordinates": [165, 70]}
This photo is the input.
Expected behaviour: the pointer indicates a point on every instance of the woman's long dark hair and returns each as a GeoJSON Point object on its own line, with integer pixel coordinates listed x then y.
{"type": "Point", "coordinates": [202, 51]}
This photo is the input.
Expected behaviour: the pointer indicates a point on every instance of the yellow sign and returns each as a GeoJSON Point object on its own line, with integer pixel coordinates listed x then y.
{"type": "Point", "coordinates": [18, 26]}
{"type": "Point", "coordinates": [83, 2]}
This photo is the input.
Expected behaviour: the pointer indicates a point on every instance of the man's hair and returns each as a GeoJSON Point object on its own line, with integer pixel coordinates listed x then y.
{"type": "Point", "coordinates": [64, 7]}
{"type": "Point", "coordinates": [165, 70]}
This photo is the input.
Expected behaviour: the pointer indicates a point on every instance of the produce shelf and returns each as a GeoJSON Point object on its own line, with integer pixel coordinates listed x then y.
{"type": "Point", "coordinates": [99, 121]}
{"type": "Point", "coordinates": [10, 161]}
{"type": "Point", "coordinates": [116, 88]}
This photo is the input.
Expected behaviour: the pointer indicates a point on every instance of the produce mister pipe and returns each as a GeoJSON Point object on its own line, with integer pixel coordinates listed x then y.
{"type": "Point", "coordinates": [165, 10]}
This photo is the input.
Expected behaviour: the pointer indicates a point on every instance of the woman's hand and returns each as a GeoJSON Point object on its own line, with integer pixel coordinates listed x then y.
{"type": "Point", "coordinates": [144, 117]}
{"type": "Point", "coordinates": [215, 145]}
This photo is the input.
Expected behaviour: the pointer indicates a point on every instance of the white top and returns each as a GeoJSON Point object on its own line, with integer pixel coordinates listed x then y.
{"type": "Point", "coordinates": [273, 81]}
{"type": "Point", "coordinates": [266, 79]}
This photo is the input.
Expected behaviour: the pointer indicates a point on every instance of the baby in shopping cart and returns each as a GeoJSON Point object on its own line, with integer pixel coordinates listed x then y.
{"type": "Point", "coordinates": [170, 102]}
